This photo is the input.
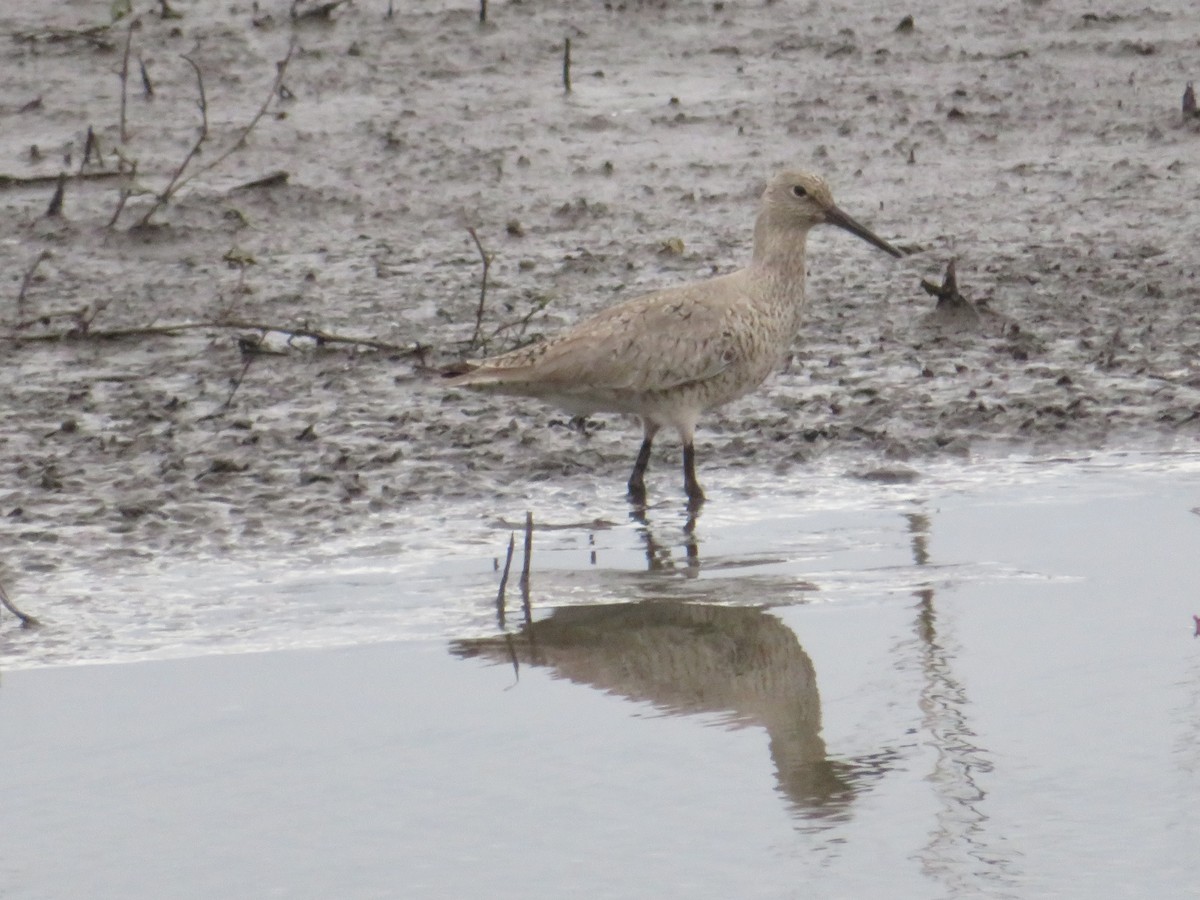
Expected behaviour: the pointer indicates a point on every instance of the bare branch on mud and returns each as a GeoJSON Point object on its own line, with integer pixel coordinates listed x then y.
{"type": "Point", "coordinates": [277, 89]}
{"type": "Point", "coordinates": [251, 349]}
{"type": "Point", "coordinates": [519, 324]}
{"type": "Point", "coordinates": [126, 190]}
{"type": "Point", "coordinates": [96, 36]}
{"type": "Point", "coordinates": [91, 147]}
{"type": "Point", "coordinates": [147, 87]}
{"type": "Point", "coordinates": [487, 264]}
{"type": "Point", "coordinates": [54, 210]}
{"type": "Point", "coordinates": [124, 76]}
{"type": "Point", "coordinates": [175, 183]}
{"type": "Point", "coordinates": [27, 621]}
{"type": "Point", "coordinates": [321, 338]}
{"type": "Point", "coordinates": [275, 179]}
{"type": "Point", "coordinates": [25, 181]}
{"type": "Point", "coordinates": [28, 280]}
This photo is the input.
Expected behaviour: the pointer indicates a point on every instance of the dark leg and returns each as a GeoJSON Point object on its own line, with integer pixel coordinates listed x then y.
{"type": "Point", "coordinates": [637, 481]}
{"type": "Point", "coordinates": [690, 484]}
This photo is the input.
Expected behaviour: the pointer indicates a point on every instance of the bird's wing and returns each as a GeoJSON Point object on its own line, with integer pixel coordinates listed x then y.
{"type": "Point", "coordinates": [651, 343]}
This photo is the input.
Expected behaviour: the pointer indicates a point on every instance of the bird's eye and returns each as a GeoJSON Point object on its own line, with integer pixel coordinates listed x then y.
{"type": "Point", "coordinates": [798, 191]}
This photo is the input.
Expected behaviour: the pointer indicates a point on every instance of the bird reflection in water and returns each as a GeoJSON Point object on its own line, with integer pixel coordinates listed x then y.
{"type": "Point", "coordinates": [739, 662]}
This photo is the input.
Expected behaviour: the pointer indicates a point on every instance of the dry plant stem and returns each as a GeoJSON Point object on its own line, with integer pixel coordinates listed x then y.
{"type": "Point", "coordinates": [500, 611]}
{"type": "Point", "coordinates": [276, 86]}
{"type": "Point", "coordinates": [27, 621]}
{"type": "Point", "coordinates": [91, 147]}
{"type": "Point", "coordinates": [176, 183]}
{"type": "Point", "coordinates": [147, 87]}
{"type": "Point", "coordinates": [126, 191]}
{"type": "Point", "coordinates": [24, 181]}
{"type": "Point", "coordinates": [482, 11]}
{"type": "Point", "coordinates": [124, 76]}
{"type": "Point", "coordinates": [28, 280]}
{"type": "Point", "coordinates": [487, 264]}
{"type": "Point", "coordinates": [56, 202]}
{"type": "Point", "coordinates": [237, 382]}
{"type": "Point", "coordinates": [526, 565]}
{"type": "Point", "coordinates": [566, 75]}
{"type": "Point", "coordinates": [320, 337]}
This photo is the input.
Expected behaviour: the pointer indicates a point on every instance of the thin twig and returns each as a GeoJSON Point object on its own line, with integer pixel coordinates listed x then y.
{"type": "Point", "coordinates": [55, 208]}
{"type": "Point", "coordinates": [147, 87]}
{"type": "Point", "coordinates": [126, 191]}
{"type": "Point", "coordinates": [91, 147]}
{"type": "Point", "coordinates": [26, 181]}
{"type": "Point", "coordinates": [500, 615]}
{"type": "Point", "coordinates": [487, 264]}
{"type": "Point", "coordinates": [249, 348]}
{"type": "Point", "coordinates": [175, 183]}
{"type": "Point", "coordinates": [240, 142]}
{"type": "Point", "coordinates": [567, 66]}
{"type": "Point", "coordinates": [527, 562]}
{"type": "Point", "coordinates": [124, 76]}
{"type": "Point", "coordinates": [320, 337]}
{"type": "Point", "coordinates": [526, 603]}
{"type": "Point", "coordinates": [27, 621]}
{"type": "Point", "coordinates": [28, 280]}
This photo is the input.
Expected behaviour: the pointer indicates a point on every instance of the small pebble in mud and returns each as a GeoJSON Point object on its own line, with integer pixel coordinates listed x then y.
{"type": "Point", "coordinates": [69, 426]}
{"type": "Point", "coordinates": [674, 101]}
{"type": "Point", "coordinates": [906, 25]}
{"type": "Point", "coordinates": [514, 228]}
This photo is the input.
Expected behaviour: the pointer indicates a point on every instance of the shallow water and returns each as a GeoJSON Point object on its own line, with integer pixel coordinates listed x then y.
{"type": "Point", "coordinates": [979, 683]}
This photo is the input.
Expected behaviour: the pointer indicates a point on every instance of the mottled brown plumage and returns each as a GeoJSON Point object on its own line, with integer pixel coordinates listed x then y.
{"type": "Point", "coordinates": [669, 356]}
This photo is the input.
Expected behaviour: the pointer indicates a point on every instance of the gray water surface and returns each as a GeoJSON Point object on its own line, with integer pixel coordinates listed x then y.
{"type": "Point", "coordinates": [982, 683]}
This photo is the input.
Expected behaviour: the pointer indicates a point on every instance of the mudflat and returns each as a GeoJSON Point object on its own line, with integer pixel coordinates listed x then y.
{"type": "Point", "coordinates": [1041, 146]}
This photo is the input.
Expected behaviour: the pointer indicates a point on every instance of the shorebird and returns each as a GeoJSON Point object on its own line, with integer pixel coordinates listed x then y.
{"type": "Point", "coordinates": [669, 356]}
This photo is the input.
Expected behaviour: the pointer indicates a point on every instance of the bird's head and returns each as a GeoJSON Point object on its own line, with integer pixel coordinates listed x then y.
{"type": "Point", "coordinates": [798, 200]}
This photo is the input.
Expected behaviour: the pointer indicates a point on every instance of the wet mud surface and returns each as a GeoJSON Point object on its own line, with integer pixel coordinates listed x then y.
{"type": "Point", "coordinates": [1039, 145]}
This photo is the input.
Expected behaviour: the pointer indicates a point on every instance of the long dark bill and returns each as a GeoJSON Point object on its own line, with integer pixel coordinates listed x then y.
{"type": "Point", "coordinates": [835, 216]}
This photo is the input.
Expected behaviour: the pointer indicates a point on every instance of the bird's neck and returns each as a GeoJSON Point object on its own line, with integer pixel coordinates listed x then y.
{"type": "Point", "coordinates": [779, 251]}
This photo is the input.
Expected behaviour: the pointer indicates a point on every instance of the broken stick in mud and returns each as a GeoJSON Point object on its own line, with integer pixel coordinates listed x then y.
{"type": "Point", "coordinates": [500, 594]}
{"type": "Point", "coordinates": [483, 284]}
{"type": "Point", "coordinates": [179, 179]}
{"type": "Point", "coordinates": [320, 338]}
